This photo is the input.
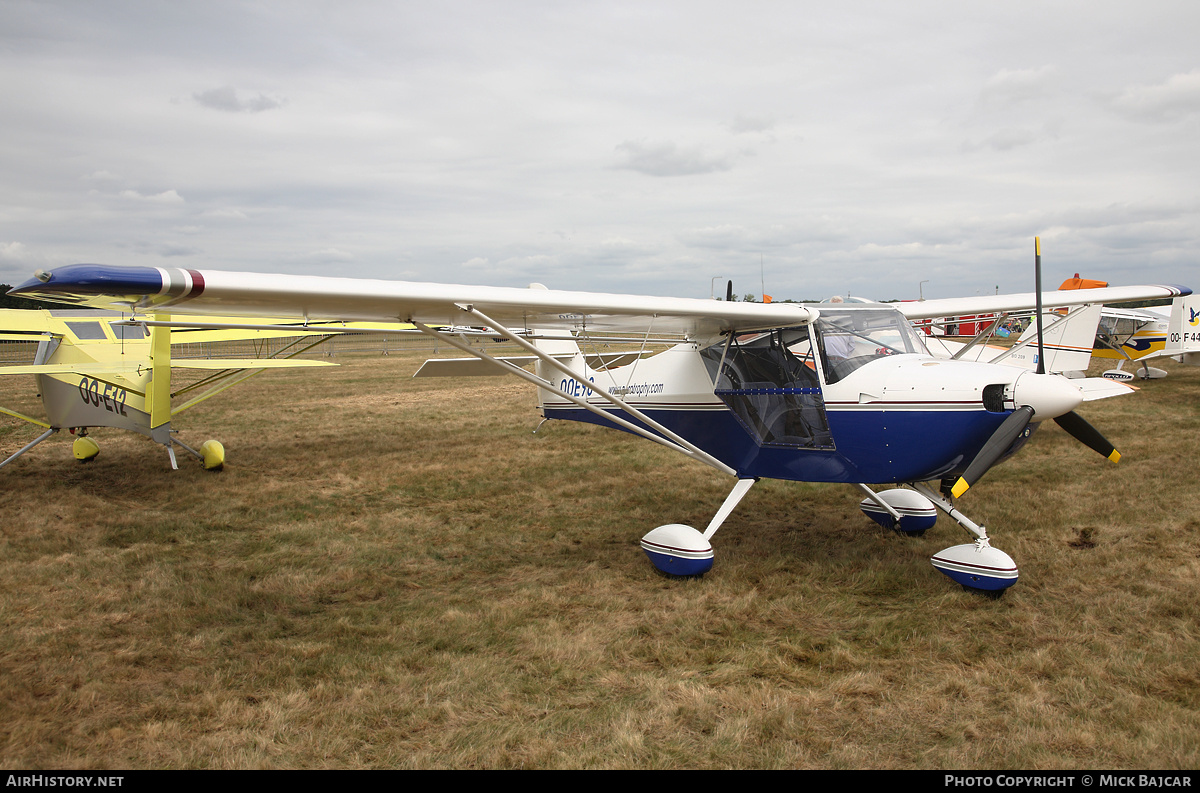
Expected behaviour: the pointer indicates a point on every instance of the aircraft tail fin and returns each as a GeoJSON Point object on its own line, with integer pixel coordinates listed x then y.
{"type": "Point", "coordinates": [1082, 283]}
{"type": "Point", "coordinates": [556, 343]}
{"type": "Point", "coordinates": [158, 390]}
{"type": "Point", "coordinates": [1067, 341]}
{"type": "Point", "coordinates": [1183, 333]}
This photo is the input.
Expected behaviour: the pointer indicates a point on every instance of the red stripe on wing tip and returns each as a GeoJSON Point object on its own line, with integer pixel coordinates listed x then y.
{"type": "Point", "coordinates": [197, 283]}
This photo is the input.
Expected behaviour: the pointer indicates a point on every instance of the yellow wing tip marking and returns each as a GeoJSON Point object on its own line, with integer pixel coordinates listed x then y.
{"type": "Point", "coordinates": [1115, 456]}
{"type": "Point", "coordinates": [959, 488]}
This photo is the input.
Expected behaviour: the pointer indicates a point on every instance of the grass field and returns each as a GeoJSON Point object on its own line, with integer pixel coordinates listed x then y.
{"type": "Point", "coordinates": [399, 573]}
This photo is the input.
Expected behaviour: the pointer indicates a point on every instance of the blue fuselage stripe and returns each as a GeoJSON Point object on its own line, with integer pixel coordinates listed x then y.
{"type": "Point", "coordinates": [871, 446]}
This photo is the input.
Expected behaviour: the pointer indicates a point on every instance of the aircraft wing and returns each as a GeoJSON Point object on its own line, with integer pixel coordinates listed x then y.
{"type": "Point", "coordinates": [238, 329]}
{"type": "Point", "coordinates": [318, 298]}
{"type": "Point", "coordinates": [478, 367]}
{"type": "Point", "coordinates": [1101, 388]}
{"type": "Point", "coordinates": [93, 368]}
{"type": "Point", "coordinates": [152, 289]}
{"type": "Point", "coordinates": [30, 336]}
{"type": "Point", "coordinates": [245, 363]}
{"type": "Point", "coordinates": [992, 304]}
{"type": "Point", "coordinates": [1140, 315]}
{"type": "Point", "coordinates": [82, 367]}
{"type": "Point", "coordinates": [22, 324]}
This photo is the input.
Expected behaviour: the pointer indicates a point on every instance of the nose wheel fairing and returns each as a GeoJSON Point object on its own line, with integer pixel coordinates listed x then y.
{"type": "Point", "coordinates": [678, 550]}
{"type": "Point", "coordinates": [977, 565]}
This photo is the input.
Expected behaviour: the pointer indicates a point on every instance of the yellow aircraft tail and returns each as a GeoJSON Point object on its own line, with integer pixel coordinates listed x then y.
{"type": "Point", "coordinates": [158, 391]}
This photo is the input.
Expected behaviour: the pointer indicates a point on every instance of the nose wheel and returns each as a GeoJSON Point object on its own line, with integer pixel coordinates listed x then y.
{"type": "Point", "coordinates": [976, 566]}
{"type": "Point", "coordinates": [680, 550]}
{"type": "Point", "coordinates": [84, 448]}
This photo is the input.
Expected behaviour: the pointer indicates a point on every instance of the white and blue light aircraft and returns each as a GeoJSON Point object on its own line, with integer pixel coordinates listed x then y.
{"type": "Point", "coordinates": [817, 393]}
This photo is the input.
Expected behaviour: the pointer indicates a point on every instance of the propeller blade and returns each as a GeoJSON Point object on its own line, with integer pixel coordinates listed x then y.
{"type": "Point", "coordinates": [996, 445]}
{"type": "Point", "coordinates": [1037, 286]}
{"type": "Point", "coordinates": [729, 291]}
{"type": "Point", "coordinates": [1086, 434]}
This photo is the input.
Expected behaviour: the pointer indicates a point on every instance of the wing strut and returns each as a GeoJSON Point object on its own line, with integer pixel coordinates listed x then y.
{"type": "Point", "coordinates": [695, 450]}
{"type": "Point", "coordinates": [30, 445]}
{"type": "Point", "coordinates": [883, 504]}
{"type": "Point", "coordinates": [671, 440]}
{"type": "Point", "coordinates": [986, 333]}
{"type": "Point", "coordinates": [1020, 345]}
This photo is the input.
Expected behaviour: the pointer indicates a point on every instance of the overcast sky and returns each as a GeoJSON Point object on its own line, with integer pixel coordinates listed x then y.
{"type": "Point", "coordinates": [611, 146]}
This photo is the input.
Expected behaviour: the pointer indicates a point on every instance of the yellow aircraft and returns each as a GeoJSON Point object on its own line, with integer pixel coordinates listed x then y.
{"type": "Point", "coordinates": [102, 369]}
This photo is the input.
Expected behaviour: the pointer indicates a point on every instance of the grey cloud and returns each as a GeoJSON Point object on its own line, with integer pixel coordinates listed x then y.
{"type": "Point", "coordinates": [17, 256]}
{"type": "Point", "coordinates": [1177, 97]}
{"type": "Point", "coordinates": [815, 231]}
{"type": "Point", "coordinates": [170, 249]}
{"type": "Point", "coordinates": [155, 249]}
{"type": "Point", "coordinates": [423, 140]}
{"type": "Point", "coordinates": [225, 214]}
{"type": "Point", "coordinates": [1009, 86]}
{"type": "Point", "coordinates": [228, 100]}
{"type": "Point", "coordinates": [666, 158]}
{"type": "Point", "coordinates": [1125, 216]}
{"type": "Point", "coordinates": [745, 124]}
{"type": "Point", "coordinates": [1005, 140]}
{"type": "Point", "coordinates": [165, 197]}
{"type": "Point", "coordinates": [329, 255]}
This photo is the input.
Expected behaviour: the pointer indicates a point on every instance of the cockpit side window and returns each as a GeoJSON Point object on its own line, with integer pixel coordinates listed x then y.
{"type": "Point", "coordinates": [88, 331]}
{"type": "Point", "coordinates": [769, 381]}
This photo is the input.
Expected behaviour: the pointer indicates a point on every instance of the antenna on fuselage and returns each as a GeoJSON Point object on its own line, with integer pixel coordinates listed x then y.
{"type": "Point", "coordinates": [762, 278]}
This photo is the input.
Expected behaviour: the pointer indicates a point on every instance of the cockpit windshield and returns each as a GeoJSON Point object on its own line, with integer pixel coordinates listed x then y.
{"type": "Point", "coordinates": [852, 337]}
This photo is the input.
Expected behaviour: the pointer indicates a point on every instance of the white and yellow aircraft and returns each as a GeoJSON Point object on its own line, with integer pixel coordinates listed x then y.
{"type": "Point", "coordinates": [99, 369]}
{"type": "Point", "coordinates": [1073, 338]}
{"type": "Point", "coordinates": [818, 393]}
{"type": "Point", "coordinates": [1128, 334]}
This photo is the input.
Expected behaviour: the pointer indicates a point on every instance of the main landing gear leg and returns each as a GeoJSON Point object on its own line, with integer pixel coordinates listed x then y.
{"type": "Point", "coordinates": [680, 550]}
{"type": "Point", "coordinates": [977, 566]}
{"type": "Point", "coordinates": [211, 453]}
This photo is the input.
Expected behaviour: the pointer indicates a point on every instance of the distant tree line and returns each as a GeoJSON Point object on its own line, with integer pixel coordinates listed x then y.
{"type": "Point", "coordinates": [1164, 301]}
{"type": "Point", "coordinates": [752, 298]}
{"type": "Point", "coordinates": [7, 301]}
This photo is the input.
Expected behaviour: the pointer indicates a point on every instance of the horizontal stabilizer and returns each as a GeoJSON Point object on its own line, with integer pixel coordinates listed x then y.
{"type": "Point", "coordinates": [246, 363]}
{"type": "Point", "coordinates": [1102, 388]}
{"type": "Point", "coordinates": [478, 367]}
{"type": "Point", "coordinates": [470, 367]}
{"type": "Point", "coordinates": [93, 368]}
{"type": "Point", "coordinates": [83, 367]}
{"type": "Point", "coordinates": [31, 336]}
